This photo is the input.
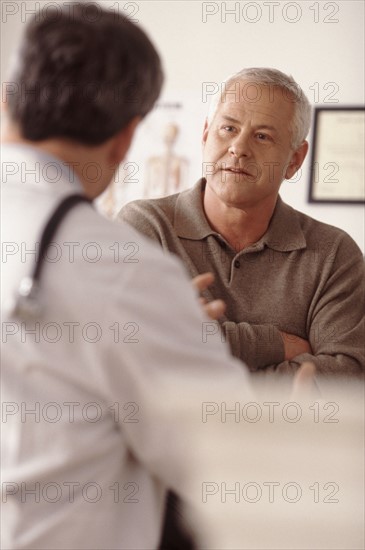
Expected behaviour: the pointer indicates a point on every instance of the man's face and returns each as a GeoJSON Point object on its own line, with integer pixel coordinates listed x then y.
{"type": "Point", "coordinates": [247, 148]}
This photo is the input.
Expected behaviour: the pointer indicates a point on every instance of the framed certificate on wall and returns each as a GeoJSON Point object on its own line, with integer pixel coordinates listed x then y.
{"type": "Point", "coordinates": [338, 153]}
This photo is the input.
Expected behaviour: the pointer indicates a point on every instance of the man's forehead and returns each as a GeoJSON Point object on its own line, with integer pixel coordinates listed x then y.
{"type": "Point", "coordinates": [235, 110]}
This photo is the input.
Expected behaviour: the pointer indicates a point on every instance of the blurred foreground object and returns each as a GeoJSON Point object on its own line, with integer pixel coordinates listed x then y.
{"type": "Point", "coordinates": [282, 474]}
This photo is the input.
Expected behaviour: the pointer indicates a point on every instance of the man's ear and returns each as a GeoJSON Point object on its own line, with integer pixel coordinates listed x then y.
{"type": "Point", "coordinates": [297, 160]}
{"type": "Point", "coordinates": [122, 141]}
{"type": "Point", "coordinates": [205, 132]}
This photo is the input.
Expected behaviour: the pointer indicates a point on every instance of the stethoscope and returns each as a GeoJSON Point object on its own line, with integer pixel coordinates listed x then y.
{"type": "Point", "coordinates": [27, 301]}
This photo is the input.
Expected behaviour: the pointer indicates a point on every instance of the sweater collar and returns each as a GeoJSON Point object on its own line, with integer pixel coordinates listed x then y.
{"type": "Point", "coordinates": [284, 233]}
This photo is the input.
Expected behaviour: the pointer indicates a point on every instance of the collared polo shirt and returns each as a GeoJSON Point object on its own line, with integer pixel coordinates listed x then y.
{"type": "Point", "coordinates": [302, 277]}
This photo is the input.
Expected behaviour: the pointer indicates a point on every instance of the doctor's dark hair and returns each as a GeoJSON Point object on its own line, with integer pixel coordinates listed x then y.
{"type": "Point", "coordinates": [82, 74]}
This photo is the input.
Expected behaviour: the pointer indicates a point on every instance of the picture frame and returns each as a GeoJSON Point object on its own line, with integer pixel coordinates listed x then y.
{"type": "Point", "coordinates": [337, 156]}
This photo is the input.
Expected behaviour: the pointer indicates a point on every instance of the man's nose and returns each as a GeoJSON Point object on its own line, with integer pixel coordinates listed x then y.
{"type": "Point", "coordinates": [240, 146]}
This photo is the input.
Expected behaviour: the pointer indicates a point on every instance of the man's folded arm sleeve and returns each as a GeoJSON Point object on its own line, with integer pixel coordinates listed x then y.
{"type": "Point", "coordinates": [258, 345]}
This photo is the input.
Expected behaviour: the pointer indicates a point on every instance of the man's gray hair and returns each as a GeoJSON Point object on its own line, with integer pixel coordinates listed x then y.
{"type": "Point", "coordinates": [291, 91]}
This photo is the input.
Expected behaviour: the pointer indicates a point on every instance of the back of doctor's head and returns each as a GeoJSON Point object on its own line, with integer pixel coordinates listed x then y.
{"type": "Point", "coordinates": [82, 73]}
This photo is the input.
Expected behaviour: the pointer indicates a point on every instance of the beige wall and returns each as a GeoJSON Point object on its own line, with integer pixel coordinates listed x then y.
{"type": "Point", "coordinates": [320, 43]}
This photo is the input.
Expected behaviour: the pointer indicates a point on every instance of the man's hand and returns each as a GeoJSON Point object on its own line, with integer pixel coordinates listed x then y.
{"type": "Point", "coordinates": [294, 345]}
{"type": "Point", "coordinates": [214, 309]}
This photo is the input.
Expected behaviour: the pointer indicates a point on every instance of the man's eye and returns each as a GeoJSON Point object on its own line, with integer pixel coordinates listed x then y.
{"type": "Point", "coordinates": [228, 128]}
{"type": "Point", "coordinates": [262, 137]}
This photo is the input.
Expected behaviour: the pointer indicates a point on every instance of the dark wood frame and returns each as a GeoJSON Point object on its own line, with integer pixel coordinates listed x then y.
{"type": "Point", "coordinates": [314, 156]}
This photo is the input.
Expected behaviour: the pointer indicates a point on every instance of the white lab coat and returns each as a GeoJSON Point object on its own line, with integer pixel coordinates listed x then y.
{"type": "Point", "coordinates": [120, 329]}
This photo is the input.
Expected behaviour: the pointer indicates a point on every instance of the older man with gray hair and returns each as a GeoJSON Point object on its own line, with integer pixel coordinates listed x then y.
{"type": "Point", "coordinates": [293, 286]}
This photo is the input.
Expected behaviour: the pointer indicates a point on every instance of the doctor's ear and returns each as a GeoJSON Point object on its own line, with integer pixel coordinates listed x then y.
{"type": "Point", "coordinates": [121, 142]}
{"type": "Point", "coordinates": [296, 160]}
